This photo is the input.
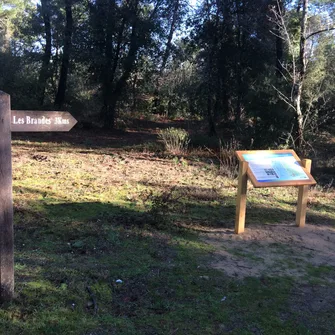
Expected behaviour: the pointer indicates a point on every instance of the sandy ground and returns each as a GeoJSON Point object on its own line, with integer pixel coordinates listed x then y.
{"type": "Point", "coordinates": [273, 250]}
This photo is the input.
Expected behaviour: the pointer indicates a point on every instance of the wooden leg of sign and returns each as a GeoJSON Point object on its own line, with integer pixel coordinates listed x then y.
{"type": "Point", "coordinates": [6, 203]}
{"type": "Point", "coordinates": [302, 197]}
{"type": "Point", "coordinates": [241, 200]}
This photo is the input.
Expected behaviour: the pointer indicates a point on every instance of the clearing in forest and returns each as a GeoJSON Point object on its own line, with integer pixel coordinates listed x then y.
{"type": "Point", "coordinates": [115, 236]}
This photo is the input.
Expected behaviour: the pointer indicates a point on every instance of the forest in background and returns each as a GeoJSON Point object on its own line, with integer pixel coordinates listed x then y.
{"type": "Point", "coordinates": [118, 233]}
{"type": "Point", "coordinates": [264, 69]}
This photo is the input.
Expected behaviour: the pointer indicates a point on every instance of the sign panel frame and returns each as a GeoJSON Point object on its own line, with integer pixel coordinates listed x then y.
{"type": "Point", "coordinates": [294, 159]}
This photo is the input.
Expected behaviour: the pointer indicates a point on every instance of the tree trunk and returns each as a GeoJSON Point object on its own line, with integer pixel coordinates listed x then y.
{"type": "Point", "coordinates": [44, 72]}
{"type": "Point", "coordinates": [240, 38]}
{"type": "Point", "coordinates": [108, 66]}
{"type": "Point", "coordinates": [239, 79]}
{"type": "Point", "coordinates": [128, 65]}
{"type": "Point", "coordinates": [210, 91]}
{"type": "Point", "coordinates": [279, 42]}
{"type": "Point", "coordinates": [171, 32]}
{"type": "Point", "coordinates": [60, 97]}
{"type": "Point", "coordinates": [157, 99]}
{"type": "Point", "coordinates": [301, 74]}
{"type": "Point", "coordinates": [211, 124]}
{"type": "Point", "coordinates": [300, 122]}
{"type": "Point", "coordinates": [134, 97]}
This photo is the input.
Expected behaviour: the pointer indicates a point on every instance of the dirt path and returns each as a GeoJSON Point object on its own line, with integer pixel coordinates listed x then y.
{"type": "Point", "coordinates": [275, 250]}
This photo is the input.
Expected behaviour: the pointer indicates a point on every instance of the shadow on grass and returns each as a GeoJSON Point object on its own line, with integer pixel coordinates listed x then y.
{"type": "Point", "coordinates": [191, 206]}
{"type": "Point", "coordinates": [217, 216]}
{"type": "Point", "coordinates": [89, 139]}
{"type": "Point", "coordinates": [208, 208]}
{"type": "Point", "coordinates": [137, 276]}
{"type": "Point", "coordinates": [140, 132]}
{"type": "Point", "coordinates": [141, 280]}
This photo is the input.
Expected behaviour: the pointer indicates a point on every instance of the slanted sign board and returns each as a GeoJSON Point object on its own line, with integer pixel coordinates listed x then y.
{"type": "Point", "coordinates": [268, 168]}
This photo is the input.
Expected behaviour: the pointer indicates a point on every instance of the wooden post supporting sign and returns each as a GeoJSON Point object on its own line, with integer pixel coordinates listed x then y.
{"type": "Point", "coordinates": [241, 201]}
{"type": "Point", "coordinates": [22, 121]}
{"type": "Point", "coordinates": [270, 168]}
{"type": "Point", "coordinates": [6, 203]}
{"type": "Point", "coordinates": [302, 197]}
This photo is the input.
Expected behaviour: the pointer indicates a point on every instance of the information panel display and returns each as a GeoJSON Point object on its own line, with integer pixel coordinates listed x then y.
{"type": "Point", "coordinates": [268, 168]}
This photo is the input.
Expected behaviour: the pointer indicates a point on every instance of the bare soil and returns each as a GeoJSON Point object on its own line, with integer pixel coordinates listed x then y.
{"type": "Point", "coordinates": [275, 250]}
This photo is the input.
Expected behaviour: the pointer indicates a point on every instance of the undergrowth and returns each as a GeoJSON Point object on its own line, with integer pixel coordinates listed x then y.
{"type": "Point", "coordinates": [176, 140]}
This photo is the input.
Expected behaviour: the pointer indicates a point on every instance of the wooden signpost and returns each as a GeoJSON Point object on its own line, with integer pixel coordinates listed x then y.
{"type": "Point", "coordinates": [272, 168]}
{"type": "Point", "coordinates": [20, 121]}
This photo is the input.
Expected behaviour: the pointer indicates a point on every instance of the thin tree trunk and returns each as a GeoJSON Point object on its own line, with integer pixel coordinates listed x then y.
{"type": "Point", "coordinates": [210, 120]}
{"type": "Point", "coordinates": [134, 98]}
{"type": "Point", "coordinates": [60, 97]}
{"type": "Point", "coordinates": [44, 72]}
{"type": "Point", "coordinates": [107, 75]}
{"type": "Point", "coordinates": [169, 40]}
{"type": "Point", "coordinates": [227, 93]}
{"type": "Point", "coordinates": [279, 42]}
{"type": "Point", "coordinates": [240, 41]}
{"type": "Point", "coordinates": [128, 65]}
{"type": "Point", "coordinates": [239, 79]}
{"type": "Point", "coordinates": [301, 73]}
{"type": "Point", "coordinates": [211, 124]}
{"type": "Point", "coordinates": [156, 101]}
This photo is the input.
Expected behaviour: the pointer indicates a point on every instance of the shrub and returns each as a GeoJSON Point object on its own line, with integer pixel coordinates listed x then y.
{"type": "Point", "coordinates": [175, 140]}
{"type": "Point", "coordinates": [159, 207]}
{"type": "Point", "coordinates": [227, 158]}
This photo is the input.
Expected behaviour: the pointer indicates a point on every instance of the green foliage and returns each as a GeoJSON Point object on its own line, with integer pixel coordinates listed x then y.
{"type": "Point", "coordinates": [9, 12]}
{"type": "Point", "coordinates": [319, 85]}
{"type": "Point", "coordinates": [176, 140]}
{"type": "Point", "coordinates": [161, 207]}
{"type": "Point", "coordinates": [128, 60]}
{"type": "Point", "coordinates": [270, 121]}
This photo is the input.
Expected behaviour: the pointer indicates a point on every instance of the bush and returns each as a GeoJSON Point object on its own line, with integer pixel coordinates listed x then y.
{"type": "Point", "coordinates": [175, 140]}
{"type": "Point", "coordinates": [228, 160]}
{"type": "Point", "coordinates": [226, 157]}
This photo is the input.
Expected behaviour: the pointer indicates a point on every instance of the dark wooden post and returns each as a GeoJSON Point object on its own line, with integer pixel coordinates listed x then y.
{"type": "Point", "coordinates": [6, 202]}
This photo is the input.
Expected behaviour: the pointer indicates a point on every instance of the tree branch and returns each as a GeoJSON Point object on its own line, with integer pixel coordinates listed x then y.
{"type": "Point", "coordinates": [319, 32]}
{"type": "Point", "coordinates": [283, 97]}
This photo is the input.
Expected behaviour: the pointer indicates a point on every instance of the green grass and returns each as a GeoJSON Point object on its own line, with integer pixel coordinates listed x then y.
{"type": "Point", "coordinates": [322, 272]}
{"type": "Point", "coordinates": [87, 218]}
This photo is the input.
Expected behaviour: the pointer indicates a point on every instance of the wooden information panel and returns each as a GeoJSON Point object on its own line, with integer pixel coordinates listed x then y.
{"type": "Point", "coordinates": [269, 168]}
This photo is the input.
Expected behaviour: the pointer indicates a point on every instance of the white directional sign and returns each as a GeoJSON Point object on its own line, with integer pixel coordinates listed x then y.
{"type": "Point", "coordinates": [32, 121]}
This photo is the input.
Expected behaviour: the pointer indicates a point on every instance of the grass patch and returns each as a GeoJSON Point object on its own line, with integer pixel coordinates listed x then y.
{"type": "Point", "coordinates": [321, 272]}
{"type": "Point", "coordinates": [101, 247]}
